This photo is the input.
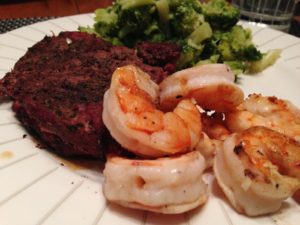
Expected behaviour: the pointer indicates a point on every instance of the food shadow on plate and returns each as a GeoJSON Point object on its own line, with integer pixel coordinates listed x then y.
{"type": "Point", "coordinates": [5, 102]}
{"type": "Point", "coordinates": [85, 167]}
{"type": "Point", "coordinates": [91, 169]}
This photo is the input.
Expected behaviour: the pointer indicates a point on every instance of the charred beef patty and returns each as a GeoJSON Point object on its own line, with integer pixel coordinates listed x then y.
{"type": "Point", "coordinates": [157, 54]}
{"type": "Point", "coordinates": [58, 87]}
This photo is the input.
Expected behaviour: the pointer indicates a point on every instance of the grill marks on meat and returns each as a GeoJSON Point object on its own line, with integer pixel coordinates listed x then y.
{"type": "Point", "coordinates": [58, 88]}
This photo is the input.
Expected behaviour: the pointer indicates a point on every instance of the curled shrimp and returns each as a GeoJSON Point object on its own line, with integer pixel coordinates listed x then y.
{"type": "Point", "coordinates": [213, 134]}
{"type": "Point", "coordinates": [208, 147]}
{"type": "Point", "coordinates": [131, 115]}
{"type": "Point", "coordinates": [167, 185]}
{"type": "Point", "coordinates": [257, 110]}
{"type": "Point", "coordinates": [257, 169]}
{"type": "Point", "coordinates": [214, 126]}
{"type": "Point", "coordinates": [211, 85]}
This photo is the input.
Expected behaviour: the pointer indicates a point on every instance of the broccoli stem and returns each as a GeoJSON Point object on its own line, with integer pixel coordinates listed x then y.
{"type": "Point", "coordinates": [268, 59]}
{"type": "Point", "coordinates": [202, 33]}
{"type": "Point", "coordinates": [163, 10]}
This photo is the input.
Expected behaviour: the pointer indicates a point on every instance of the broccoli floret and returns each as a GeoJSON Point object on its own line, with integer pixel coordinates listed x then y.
{"type": "Point", "coordinates": [236, 44]}
{"type": "Point", "coordinates": [233, 47]}
{"type": "Point", "coordinates": [237, 66]}
{"type": "Point", "coordinates": [127, 4]}
{"type": "Point", "coordinates": [106, 22]}
{"type": "Point", "coordinates": [211, 59]}
{"type": "Point", "coordinates": [250, 53]}
{"type": "Point", "coordinates": [134, 21]}
{"type": "Point", "coordinates": [137, 21]}
{"type": "Point", "coordinates": [240, 37]}
{"type": "Point", "coordinates": [220, 14]}
{"type": "Point", "coordinates": [268, 59]}
{"type": "Point", "coordinates": [207, 32]}
{"type": "Point", "coordinates": [210, 48]}
{"type": "Point", "coordinates": [194, 4]}
{"type": "Point", "coordinates": [125, 21]}
{"type": "Point", "coordinates": [188, 25]}
{"type": "Point", "coordinates": [185, 17]}
{"type": "Point", "coordinates": [188, 56]}
{"type": "Point", "coordinates": [201, 33]}
{"type": "Point", "coordinates": [163, 10]}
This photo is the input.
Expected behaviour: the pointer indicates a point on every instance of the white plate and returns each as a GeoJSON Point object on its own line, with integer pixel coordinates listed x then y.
{"type": "Point", "coordinates": [37, 187]}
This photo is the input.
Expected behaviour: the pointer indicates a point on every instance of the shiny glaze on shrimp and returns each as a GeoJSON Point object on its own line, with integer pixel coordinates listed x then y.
{"type": "Point", "coordinates": [130, 113]}
{"type": "Point", "coordinates": [257, 169]}
{"type": "Point", "coordinates": [166, 185]}
{"type": "Point", "coordinates": [271, 112]}
{"type": "Point", "coordinates": [211, 85]}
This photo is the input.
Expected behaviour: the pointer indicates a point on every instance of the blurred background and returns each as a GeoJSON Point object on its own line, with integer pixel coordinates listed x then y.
{"type": "Point", "coordinates": [16, 13]}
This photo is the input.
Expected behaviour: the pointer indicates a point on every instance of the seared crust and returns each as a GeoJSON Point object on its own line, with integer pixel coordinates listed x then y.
{"type": "Point", "coordinates": [58, 87]}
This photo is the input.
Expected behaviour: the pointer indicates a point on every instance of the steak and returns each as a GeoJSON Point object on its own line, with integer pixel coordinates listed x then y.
{"type": "Point", "coordinates": [164, 55]}
{"type": "Point", "coordinates": [58, 87]}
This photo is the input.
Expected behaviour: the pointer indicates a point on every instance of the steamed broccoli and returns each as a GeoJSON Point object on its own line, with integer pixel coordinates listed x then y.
{"type": "Point", "coordinates": [187, 24]}
{"type": "Point", "coordinates": [267, 59]}
{"type": "Point", "coordinates": [126, 22]}
{"type": "Point", "coordinates": [163, 10]}
{"type": "Point", "coordinates": [207, 32]}
{"type": "Point", "coordinates": [236, 44]}
{"type": "Point", "coordinates": [233, 47]}
{"type": "Point", "coordinates": [127, 4]}
{"type": "Point", "coordinates": [201, 33]}
{"type": "Point", "coordinates": [106, 25]}
{"type": "Point", "coordinates": [185, 17]}
{"type": "Point", "coordinates": [193, 46]}
{"type": "Point", "coordinates": [220, 14]}
{"type": "Point", "coordinates": [135, 22]}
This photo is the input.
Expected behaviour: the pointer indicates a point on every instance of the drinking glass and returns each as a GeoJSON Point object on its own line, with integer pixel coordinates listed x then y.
{"type": "Point", "coordinates": [276, 14]}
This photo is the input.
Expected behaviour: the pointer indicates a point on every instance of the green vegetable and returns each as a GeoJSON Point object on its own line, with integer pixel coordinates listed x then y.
{"type": "Point", "coordinates": [237, 66]}
{"type": "Point", "coordinates": [193, 46]}
{"type": "Point", "coordinates": [163, 10]}
{"type": "Point", "coordinates": [236, 44]}
{"type": "Point", "coordinates": [188, 56]}
{"type": "Point", "coordinates": [220, 14]}
{"type": "Point", "coordinates": [207, 32]}
{"type": "Point", "coordinates": [201, 33]}
{"type": "Point", "coordinates": [106, 26]}
{"type": "Point", "coordinates": [268, 59]}
{"type": "Point", "coordinates": [134, 22]}
{"type": "Point", "coordinates": [128, 4]}
{"type": "Point", "coordinates": [185, 17]}
{"type": "Point", "coordinates": [212, 59]}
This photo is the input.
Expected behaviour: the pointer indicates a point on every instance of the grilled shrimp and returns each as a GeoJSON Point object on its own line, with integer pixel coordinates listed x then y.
{"type": "Point", "coordinates": [211, 85]}
{"type": "Point", "coordinates": [131, 115]}
{"type": "Point", "coordinates": [167, 185]}
{"type": "Point", "coordinates": [214, 126]}
{"type": "Point", "coordinates": [213, 134]}
{"type": "Point", "coordinates": [208, 147]}
{"type": "Point", "coordinates": [271, 112]}
{"type": "Point", "coordinates": [257, 169]}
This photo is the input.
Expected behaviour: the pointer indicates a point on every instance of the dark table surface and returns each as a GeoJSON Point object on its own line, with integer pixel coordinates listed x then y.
{"type": "Point", "coordinates": [11, 24]}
